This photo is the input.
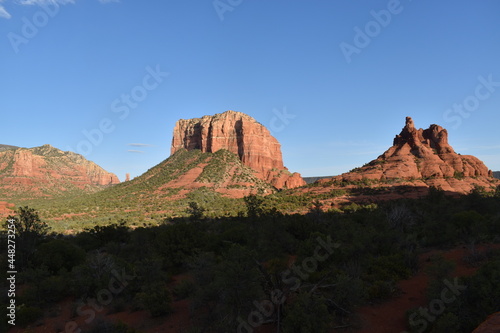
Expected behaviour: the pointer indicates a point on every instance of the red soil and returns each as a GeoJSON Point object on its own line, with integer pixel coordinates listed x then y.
{"type": "Point", "coordinates": [6, 209]}
{"type": "Point", "coordinates": [390, 316]}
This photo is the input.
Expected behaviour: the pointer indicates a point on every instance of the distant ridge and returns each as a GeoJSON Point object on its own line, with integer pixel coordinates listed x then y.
{"type": "Point", "coordinates": [496, 174]}
{"type": "Point", "coordinates": [7, 147]}
{"type": "Point", "coordinates": [46, 172]}
{"type": "Point", "coordinates": [310, 180]}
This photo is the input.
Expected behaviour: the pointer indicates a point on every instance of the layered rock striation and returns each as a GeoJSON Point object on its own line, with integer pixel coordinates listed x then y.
{"type": "Point", "coordinates": [239, 134]}
{"type": "Point", "coordinates": [48, 171]}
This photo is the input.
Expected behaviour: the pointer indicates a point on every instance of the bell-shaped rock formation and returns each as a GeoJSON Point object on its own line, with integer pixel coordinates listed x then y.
{"type": "Point", "coordinates": [426, 157]}
{"type": "Point", "coordinates": [239, 134]}
{"type": "Point", "coordinates": [425, 154]}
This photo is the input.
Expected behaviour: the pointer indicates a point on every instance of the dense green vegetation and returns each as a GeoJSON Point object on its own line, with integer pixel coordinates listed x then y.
{"type": "Point", "coordinates": [305, 273]}
{"type": "Point", "coordinates": [143, 200]}
{"type": "Point", "coordinates": [459, 304]}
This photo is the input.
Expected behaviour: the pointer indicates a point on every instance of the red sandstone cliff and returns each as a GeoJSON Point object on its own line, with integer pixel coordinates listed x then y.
{"type": "Point", "coordinates": [47, 171]}
{"type": "Point", "coordinates": [425, 157]}
{"type": "Point", "coordinates": [241, 135]}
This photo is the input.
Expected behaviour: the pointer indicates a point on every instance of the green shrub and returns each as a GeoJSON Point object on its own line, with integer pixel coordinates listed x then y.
{"type": "Point", "coordinates": [382, 274]}
{"type": "Point", "coordinates": [26, 315]}
{"type": "Point", "coordinates": [337, 193]}
{"type": "Point", "coordinates": [307, 314]}
{"type": "Point", "coordinates": [380, 290]}
{"type": "Point", "coordinates": [157, 300]}
{"type": "Point", "coordinates": [116, 232]}
{"type": "Point", "coordinates": [184, 289]}
{"type": "Point", "coordinates": [54, 288]}
{"type": "Point", "coordinates": [447, 322]}
{"type": "Point", "coordinates": [391, 267]}
{"type": "Point", "coordinates": [58, 253]}
{"type": "Point", "coordinates": [440, 267]}
{"type": "Point", "coordinates": [348, 293]}
{"type": "Point", "coordinates": [195, 210]}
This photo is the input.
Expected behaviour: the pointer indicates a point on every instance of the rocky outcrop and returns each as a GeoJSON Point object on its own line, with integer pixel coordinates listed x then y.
{"type": "Point", "coordinates": [189, 173]}
{"type": "Point", "coordinates": [425, 157]}
{"type": "Point", "coordinates": [491, 325]}
{"type": "Point", "coordinates": [48, 171]}
{"type": "Point", "coordinates": [426, 153]}
{"type": "Point", "coordinates": [239, 134]}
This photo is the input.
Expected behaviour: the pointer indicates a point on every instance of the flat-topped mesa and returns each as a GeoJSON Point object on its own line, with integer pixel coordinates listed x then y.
{"type": "Point", "coordinates": [242, 135]}
{"type": "Point", "coordinates": [425, 155]}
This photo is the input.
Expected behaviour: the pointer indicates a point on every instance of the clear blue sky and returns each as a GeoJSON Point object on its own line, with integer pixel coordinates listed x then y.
{"type": "Point", "coordinates": [348, 71]}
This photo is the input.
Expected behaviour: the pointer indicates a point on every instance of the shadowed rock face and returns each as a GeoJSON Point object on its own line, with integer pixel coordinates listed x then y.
{"type": "Point", "coordinates": [241, 135]}
{"type": "Point", "coordinates": [425, 155]}
{"type": "Point", "coordinates": [46, 169]}
{"type": "Point", "coordinates": [491, 325]}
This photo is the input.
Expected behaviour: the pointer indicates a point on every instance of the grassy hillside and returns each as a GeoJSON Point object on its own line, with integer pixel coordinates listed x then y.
{"type": "Point", "coordinates": [151, 197]}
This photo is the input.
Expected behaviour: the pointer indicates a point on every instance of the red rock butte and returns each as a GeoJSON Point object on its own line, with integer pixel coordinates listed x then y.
{"type": "Point", "coordinates": [242, 135]}
{"type": "Point", "coordinates": [425, 156]}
